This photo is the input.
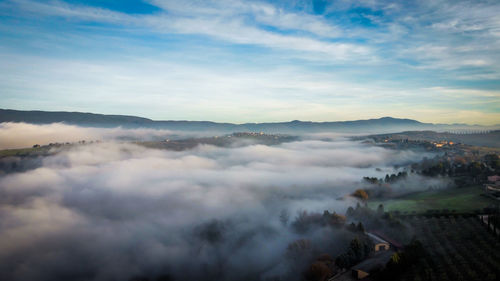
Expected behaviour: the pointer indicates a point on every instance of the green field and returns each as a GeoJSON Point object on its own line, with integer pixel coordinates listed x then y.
{"type": "Point", "coordinates": [44, 150]}
{"type": "Point", "coordinates": [461, 200]}
{"type": "Point", "coordinates": [16, 152]}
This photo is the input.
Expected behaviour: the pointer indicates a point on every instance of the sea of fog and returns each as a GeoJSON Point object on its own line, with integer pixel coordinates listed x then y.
{"type": "Point", "coordinates": [114, 210]}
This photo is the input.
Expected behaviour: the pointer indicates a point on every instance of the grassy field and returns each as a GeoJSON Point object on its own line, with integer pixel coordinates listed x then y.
{"type": "Point", "coordinates": [25, 151]}
{"type": "Point", "coordinates": [14, 152]}
{"type": "Point", "coordinates": [459, 199]}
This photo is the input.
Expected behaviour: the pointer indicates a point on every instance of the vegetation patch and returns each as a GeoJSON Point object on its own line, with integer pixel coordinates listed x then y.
{"type": "Point", "coordinates": [460, 200]}
{"type": "Point", "coordinates": [452, 248]}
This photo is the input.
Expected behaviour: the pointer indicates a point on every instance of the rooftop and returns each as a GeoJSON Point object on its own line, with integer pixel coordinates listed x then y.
{"type": "Point", "coordinates": [378, 260]}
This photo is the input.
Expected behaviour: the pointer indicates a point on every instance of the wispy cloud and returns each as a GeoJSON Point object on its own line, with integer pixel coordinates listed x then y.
{"type": "Point", "coordinates": [233, 21]}
{"type": "Point", "coordinates": [217, 59]}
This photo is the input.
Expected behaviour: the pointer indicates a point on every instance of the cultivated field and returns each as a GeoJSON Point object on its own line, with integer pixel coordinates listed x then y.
{"type": "Point", "coordinates": [458, 248]}
{"type": "Point", "coordinates": [460, 200]}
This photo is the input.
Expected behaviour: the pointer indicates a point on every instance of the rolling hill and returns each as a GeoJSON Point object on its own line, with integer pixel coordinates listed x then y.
{"type": "Point", "coordinates": [385, 124]}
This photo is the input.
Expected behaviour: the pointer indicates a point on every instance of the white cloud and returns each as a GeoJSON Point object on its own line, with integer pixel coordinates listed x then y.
{"type": "Point", "coordinates": [21, 135]}
{"type": "Point", "coordinates": [225, 20]}
{"type": "Point", "coordinates": [259, 12]}
{"type": "Point", "coordinates": [306, 67]}
{"type": "Point", "coordinates": [177, 92]}
{"type": "Point", "coordinates": [111, 211]}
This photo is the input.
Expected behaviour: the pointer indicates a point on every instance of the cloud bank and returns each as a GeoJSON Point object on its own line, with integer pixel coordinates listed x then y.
{"type": "Point", "coordinates": [22, 135]}
{"type": "Point", "coordinates": [113, 211]}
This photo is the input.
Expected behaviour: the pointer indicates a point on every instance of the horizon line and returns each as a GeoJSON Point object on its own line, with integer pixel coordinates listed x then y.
{"type": "Point", "coordinates": [234, 123]}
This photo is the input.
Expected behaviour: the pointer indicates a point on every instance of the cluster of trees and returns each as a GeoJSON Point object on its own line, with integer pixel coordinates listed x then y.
{"type": "Point", "coordinates": [356, 227]}
{"type": "Point", "coordinates": [301, 252]}
{"type": "Point", "coordinates": [392, 178]}
{"type": "Point", "coordinates": [444, 250]}
{"type": "Point", "coordinates": [360, 212]}
{"type": "Point", "coordinates": [400, 262]}
{"type": "Point", "coordinates": [361, 194]}
{"type": "Point", "coordinates": [305, 221]}
{"type": "Point", "coordinates": [378, 191]}
{"type": "Point", "coordinates": [382, 186]}
{"type": "Point", "coordinates": [377, 219]}
{"type": "Point", "coordinates": [464, 172]}
{"type": "Point", "coordinates": [358, 250]}
{"type": "Point", "coordinates": [451, 248]}
{"type": "Point", "coordinates": [321, 269]}
{"type": "Point", "coordinates": [395, 177]}
{"type": "Point", "coordinates": [298, 249]}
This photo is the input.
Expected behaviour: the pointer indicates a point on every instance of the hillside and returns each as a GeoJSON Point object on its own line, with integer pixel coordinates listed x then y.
{"type": "Point", "coordinates": [385, 124]}
{"type": "Point", "coordinates": [480, 138]}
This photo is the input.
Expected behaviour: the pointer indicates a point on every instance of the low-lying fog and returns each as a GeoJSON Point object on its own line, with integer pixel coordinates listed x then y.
{"type": "Point", "coordinates": [21, 135]}
{"type": "Point", "coordinates": [112, 211]}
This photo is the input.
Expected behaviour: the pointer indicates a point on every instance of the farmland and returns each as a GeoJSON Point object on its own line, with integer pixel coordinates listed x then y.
{"type": "Point", "coordinates": [462, 200]}
{"type": "Point", "coordinates": [24, 151]}
{"type": "Point", "coordinates": [457, 248]}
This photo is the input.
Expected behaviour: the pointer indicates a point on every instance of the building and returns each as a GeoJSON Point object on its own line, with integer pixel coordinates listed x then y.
{"type": "Point", "coordinates": [493, 186]}
{"type": "Point", "coordinates": [380, 244]}
{"type": "Point", "coordinates": [375, 263]}
{"type": "Point", "coordinates": [494, 179]}
{"type": "Point", "coordinates": [493, 190]}
{"type": "Point", "coordinates": [395, 245]}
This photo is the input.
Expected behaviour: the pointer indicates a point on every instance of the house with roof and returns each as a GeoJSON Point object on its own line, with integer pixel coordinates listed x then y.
{"type": "Point", "coordinates": [492, 188]}
{"type": "Point", "coordinates": [395, 245]}
{"type": "Point", "coordinates": [494, 179]}
{"type": "Point", "coordinates": [379, 243]}
{"type": "Point", "coordinates": [371, 265]}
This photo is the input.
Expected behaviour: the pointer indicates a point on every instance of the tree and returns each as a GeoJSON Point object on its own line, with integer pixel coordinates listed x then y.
{"type": "Point", "coordinates": [372, 180]}
{"type": "Point", "coordinates": [360, 227]}
{"type": "Point", "coordinates": [357, 248]}
{"type": "Point", "coordinates": [336, 219]}
{"type": "Point", "coordinates": [321, 268]}
{"type": "Point", "coordinates": [380, 209]}
{"type": "Point", "coordinates": [361, 194]}
{"type": "Point", "coordinates": [349, 212]}
{"type": "Point", "coordinates": [298, 248]}
{"type": "Point", "coordinates": [304, 221]}
{"type": "Point", "coordinates": [344, 260]}
{"type": "Point", "coordinates": [284, 217]}
{"type": "Point", "coordinates": [395, 258]}
{"type": "Point", "coordinates": [319, 271]}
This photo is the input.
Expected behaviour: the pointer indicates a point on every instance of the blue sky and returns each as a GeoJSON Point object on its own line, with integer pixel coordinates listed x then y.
{"type": "Point", "coordinates": [254, 61]}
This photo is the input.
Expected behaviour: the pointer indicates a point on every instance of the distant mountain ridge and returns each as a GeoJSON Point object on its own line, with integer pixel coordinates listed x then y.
{"type": "Point", "coordinates": [386, 124]}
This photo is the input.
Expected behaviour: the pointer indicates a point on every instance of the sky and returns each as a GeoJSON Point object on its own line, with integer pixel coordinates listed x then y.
{"type": "Point", "coordinates": [254, 61]}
